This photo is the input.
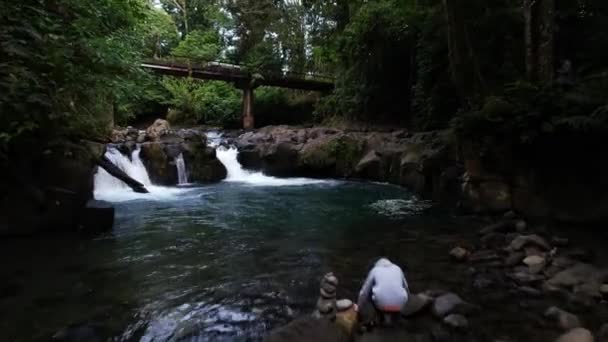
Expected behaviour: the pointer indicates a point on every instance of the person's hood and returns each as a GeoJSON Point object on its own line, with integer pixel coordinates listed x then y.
{"type": "Point", "coordinates": [383, 262]}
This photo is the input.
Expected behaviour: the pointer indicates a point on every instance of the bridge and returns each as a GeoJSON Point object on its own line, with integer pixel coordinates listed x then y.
{"type": "Point", "coordinates": [242, 78]}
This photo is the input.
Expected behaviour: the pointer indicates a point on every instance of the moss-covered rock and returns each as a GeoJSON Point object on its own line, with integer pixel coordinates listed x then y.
{"type": "Point", "coordinates": [202, 163]}
{"type": "Point", "coordinates": [334, 155]}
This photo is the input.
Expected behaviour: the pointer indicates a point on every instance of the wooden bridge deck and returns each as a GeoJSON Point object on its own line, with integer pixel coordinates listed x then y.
{"type": "Point", "coordinates": [239, 75]}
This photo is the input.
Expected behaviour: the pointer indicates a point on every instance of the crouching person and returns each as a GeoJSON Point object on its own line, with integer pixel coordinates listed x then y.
{"type": "Point", "coordinates": [384, 294]}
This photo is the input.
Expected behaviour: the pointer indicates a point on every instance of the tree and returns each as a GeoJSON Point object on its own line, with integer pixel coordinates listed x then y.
{"type": "Point", "coordinates": [539, 16]}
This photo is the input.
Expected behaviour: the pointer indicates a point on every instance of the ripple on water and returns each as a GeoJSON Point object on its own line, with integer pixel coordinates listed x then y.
{"type": "Point", "coordinates": [398, 208]}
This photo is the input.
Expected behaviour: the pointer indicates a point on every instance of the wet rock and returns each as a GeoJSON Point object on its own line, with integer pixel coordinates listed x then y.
{"type": "Point", "coordinates": [484, 256]}
{"type": "Point", "coordinates": [327, 295]}
{"type": "Point", "coordinates": [522, 241]}
{"type": "Point", "coordinates": [510, 215]}
{"type": "Point", "coordinates": [590, 289]}
{"type": "Point", "coordinates": [576, 335]}
{"type": "Point", "coordinates": [459, 254]}
{"type": "Point", "coordinates": [493, 240]}
{"type": "Point", "coordinates": [604, 290]}
{"type": "Point", "coordinates": [499, 227]}
{"type": "Point", "coordinates": [559, 241]}
{"type": "Point", "coordinates": [416, 304]}
{"type": "Point", "coordinates": [525, 277]}
{"type": "Point", "coordinates": [580, 254]}
{"type": "Point", "coordinates": [577, 274]}
{"type": "Point", "coordinates": [533, 250]}
{"type": "Point", "coordinates": [514, 258]}
{"type": "Point", "coordinates": [530, 291]}
{"type": "Point", "coordinates": [343, 304]}
{"type": "Point", "coordinates": [456, 321]}
{"type": "Point", "coordinates": [602, 334]}
{"type": "Point", "coordinates": [98, 217]}
{"type": "Point", "coordinates": [83, 332]}
{"type": "Point", "coordinates": [157, 129]}
{"type": "Point", "coordinates": [521, 226]}
{"type": "Point", "coordinates": [564, 319]}
{"type": "Point", "coordinates": [482, 281]}
{"type": "Point", "coordinates": [535, 263]}
{"type": "Point", "coordinates": [563, 262]}
{"type": "Point", "coordinates": [447, 304]}
{"type": "Point", "coordinates": [158, 163]}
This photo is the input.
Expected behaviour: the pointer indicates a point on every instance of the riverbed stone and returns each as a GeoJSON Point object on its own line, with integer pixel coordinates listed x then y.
{"type": "Point", "coordinates": [447, 304]}
{"type": "Point", "coordinates": [564, 319]}
{"type": "Point", "coordinates": [157, 129]}
{"type": "Point", "coordinates": [574, 275]}
{"type": "Point", "coordinates": [456, 321]}
{"type": "Point", "coordinates": [459, 253]}
{"type": "Point", "coordinates": [535, 263]}
{"type": "Point", "coordinates": [416, 304]}
{"type": "Point", "coordinates": [576, 335]}
{"type": "Point", "coordinates": [524, 240]}
{"type": "Point", "coordinates": [602, 334]}
{"type": "Point", "coordinates": [514, 258]}
{"type": "Point", "coordinates": [344, 304]}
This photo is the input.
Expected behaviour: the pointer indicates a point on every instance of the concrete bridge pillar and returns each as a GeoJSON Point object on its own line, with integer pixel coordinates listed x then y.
{"type": "Point", "coordinates": [248, 101]}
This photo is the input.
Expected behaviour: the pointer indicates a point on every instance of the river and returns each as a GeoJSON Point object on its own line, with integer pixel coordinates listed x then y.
{"type": "Point", "coordinates": [227, 261]}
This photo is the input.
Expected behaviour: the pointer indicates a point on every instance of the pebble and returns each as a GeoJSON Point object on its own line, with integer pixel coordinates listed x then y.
{"type": "Point", "coordinates": [447, 304]}
{"type": "Point", "coordinates": [344, 304]}
{"type": "Point", "coordinates": [522, 241]}
{"type": "Point", "coordinates": [456, 321]}
{"type": "Point", "coordinates": [459, 254]}
{"type": "Point", "coordinates": [564, 319]}
{"type": "Point", "coordinates": [416, 304]}
{"type": "Point", "coordinates": [515, 258]}
{"type": "Point", "coordinates": [535, 263]}
{"type": "Point", "coordinates": [576, 335]}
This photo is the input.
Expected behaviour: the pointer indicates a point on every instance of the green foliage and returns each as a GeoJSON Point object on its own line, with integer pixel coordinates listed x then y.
{"type": "Point", "coordinates": [61, 64]}
{"type": "Point", "coordinates": [206, 102]}
{"type": "Point", "coordinates": [199, 45]}
{"type": "Point", "coordinates": [276, 106]}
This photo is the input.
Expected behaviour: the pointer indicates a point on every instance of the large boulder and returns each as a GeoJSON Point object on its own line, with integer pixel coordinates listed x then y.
{"type": "Point", "coordinates": [159, 128]}
{"type": "Point", "coordinates": [160, 166]}
{"type": "Point", "coordinates": [202, 164]}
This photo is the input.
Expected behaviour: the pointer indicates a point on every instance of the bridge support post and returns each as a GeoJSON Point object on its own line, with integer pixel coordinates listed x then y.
{"type": "Point", "coordinates": [248, 100]}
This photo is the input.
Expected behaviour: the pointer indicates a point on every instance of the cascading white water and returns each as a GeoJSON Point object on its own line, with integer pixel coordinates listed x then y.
{"type": "Point", "coordinates": [236, 173]}
{"type": "Point", "coordinates": [182, 173]}
{"type": "Point", "coordinates": [112, 189]}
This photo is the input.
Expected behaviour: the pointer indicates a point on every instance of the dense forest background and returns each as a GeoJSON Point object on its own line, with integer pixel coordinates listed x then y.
{"type": "Point", "coordinates": [516, 68]}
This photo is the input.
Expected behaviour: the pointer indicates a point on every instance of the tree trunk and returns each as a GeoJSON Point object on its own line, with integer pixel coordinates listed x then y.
{"type": "Point", "coordinates": [545, 48]}
{"type": "Point", "coordinates": [464, 66]}
{"type": "Point", "coordinates": [539, 19]}
{"type": "Point", "coordinates": [530, 40]}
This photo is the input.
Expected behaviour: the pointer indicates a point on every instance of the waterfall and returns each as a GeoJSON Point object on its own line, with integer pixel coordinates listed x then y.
{"type": "Point", "coordinates": [236, 173]}
{"type": "Point", "coordinates": [182, 173]}
{"type": "Point", "coordinates": [134, 168]}
{"type": "Point", "coordinates": [111, 189]}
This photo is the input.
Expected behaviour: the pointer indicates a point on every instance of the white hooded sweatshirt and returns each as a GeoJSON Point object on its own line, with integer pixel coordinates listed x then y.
{"type": "Point", "coordinates": [387, 286]}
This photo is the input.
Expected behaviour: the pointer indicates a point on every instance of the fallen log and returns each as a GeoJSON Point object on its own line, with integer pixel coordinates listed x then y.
{"type": "Point", "coordinates": [116, 172]}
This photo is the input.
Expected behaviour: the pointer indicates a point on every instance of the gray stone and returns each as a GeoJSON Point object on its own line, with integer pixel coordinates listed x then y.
{"type": "Point", "coordinates": [515, 258]}
{"type": "Point", "coordinates": [564, 319]}
{"type": "Point", "coordinates": [577, 274]}
{"type": "Point", "coordinates": [521, 226]}
{"type": "Point", "coordinates": [602, 334]}
{"type": "Point", "coordinates": [327, 295]}
{"type": "Point", "coordinates": [445, 304]}
{"type": "Point", "coordinates": [576, 335]}
{"type": "Point", "coordinates": [416, 304]}
{"type": "Point", "coordinates": [535, 263]}
{"type": "Point", "coordinates": [510, 215]}
{"type": "Point", "coordinates": [604, 289]}
{"type": "Point", "coordinates": [522, 241]}
{"type": "Point", "coordinates": [525, 277]}
{"type": "Point", "coordinates": [530, 291]}
{"type": "Point", "coordinates": [344, 304]}
{"type": "Point", "coordinates": [484, 256]}
{"type": "Point", "coordinates": [459, 253]}
{"type": "Point", "coordinates": [456, 321]}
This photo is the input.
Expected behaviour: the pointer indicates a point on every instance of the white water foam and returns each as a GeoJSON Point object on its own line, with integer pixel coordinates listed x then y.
{"type": "Point", "coordinates": [400, 207]}
{"type": "Point", "coordinates": [108, 188]}
{"type": "Point", "coordinates": [237, 174]}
